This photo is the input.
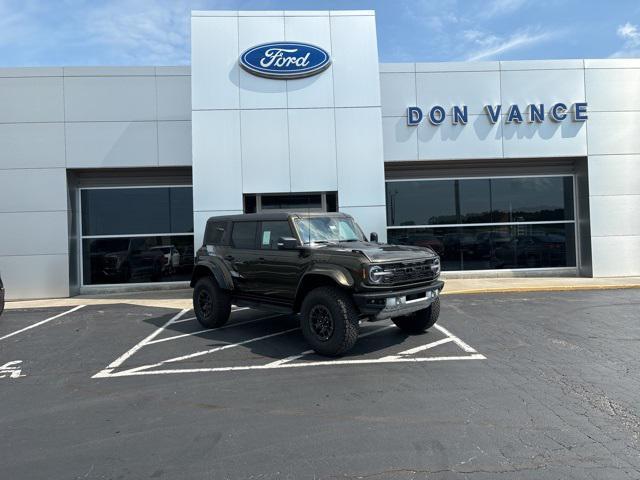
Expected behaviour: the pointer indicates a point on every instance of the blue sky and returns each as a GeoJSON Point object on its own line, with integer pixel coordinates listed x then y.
{"type": "Point", "coordinates": [156, 32]}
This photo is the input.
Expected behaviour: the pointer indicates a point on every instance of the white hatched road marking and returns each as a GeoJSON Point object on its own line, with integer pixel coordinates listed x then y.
{"type": "Point", "coordinates": [182, 335]}
{"type": "Point", "coordinates": [42, 322]}
{"type": "Point", "coordinates": [288, 362]}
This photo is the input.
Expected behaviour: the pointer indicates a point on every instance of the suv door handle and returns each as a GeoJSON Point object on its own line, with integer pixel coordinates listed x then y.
{"type": "Point", "coordinates": [229, 257]}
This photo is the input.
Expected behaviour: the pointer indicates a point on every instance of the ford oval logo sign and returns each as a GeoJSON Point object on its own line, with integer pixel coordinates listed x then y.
{"type": "Point", "coordinates": [285, 60]}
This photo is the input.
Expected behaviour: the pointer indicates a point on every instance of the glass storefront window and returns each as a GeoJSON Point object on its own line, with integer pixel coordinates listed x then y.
{"type": "Point", "coordinates": [494, 200]}
{"type": "Point", "coordinates": [137, 234]}
{"type": "Point", "coordinates": [495, 247]}
{"type": "Point", "coordinates": [137, 259]}
{"type": "Point", "coordinates": [527, 222]}
{"type": "Point", "coordinates": [114, 211]}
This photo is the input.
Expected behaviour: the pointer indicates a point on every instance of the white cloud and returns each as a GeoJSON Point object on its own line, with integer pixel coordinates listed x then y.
{"type": "Point", "coordinates": [631, 36]}
{"type": "Point", "coordinates": [489, 46]}
{"type": "Point", "coordinates": [496, 8]}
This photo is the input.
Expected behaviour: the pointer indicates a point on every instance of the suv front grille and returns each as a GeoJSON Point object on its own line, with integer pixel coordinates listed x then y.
{"type": "Point", "coordinates": [407, 272]}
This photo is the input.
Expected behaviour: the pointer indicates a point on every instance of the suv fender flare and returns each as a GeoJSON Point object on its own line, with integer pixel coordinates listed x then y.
{"type": "Point", "coordinates": [216, 268]}
{"type": "Point", "coordinates": [339, 275]}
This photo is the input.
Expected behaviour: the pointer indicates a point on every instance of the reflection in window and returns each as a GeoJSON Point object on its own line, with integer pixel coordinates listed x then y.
{"type": "Point", "coordinates": [495, 247]}
{"type": "Point", "coordinates": [136, 234]}
{"type": "Point", "coordinates": [115, 211]}
{"type": "Point", "coordinates": [137, 259]}
{"type": "Point", "coordinates": [493, 202]}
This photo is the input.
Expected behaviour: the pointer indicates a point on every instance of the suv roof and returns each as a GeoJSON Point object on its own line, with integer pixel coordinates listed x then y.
{"type": "Point", "coordinates": [271, 216]}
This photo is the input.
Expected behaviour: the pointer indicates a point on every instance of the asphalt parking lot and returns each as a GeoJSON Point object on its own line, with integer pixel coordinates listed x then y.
{"type": "Point", "coordinates": [526, 385]}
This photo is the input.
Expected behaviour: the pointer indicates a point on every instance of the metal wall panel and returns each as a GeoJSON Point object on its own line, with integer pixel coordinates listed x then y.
{"type": "Point", "coordinates": [89, 99]}
{"type": "Point", "coordinates": [265, 151]}
{"type": "Point", "coordinates": [315, 91]}
{"type": "Point", "coordinates": [355, 61]}
{"type": "Point", "coordinates": [397, 92]}
{"type": "Point", "coordinates": [473, 89]}
{"type": "Point", "coordinates": [28, 233]}
{"type": "Point", "coordinates": [174, 97]}
{"type": "Point", "coordinates": [616, 256]}
{"type": "Point", "coordinates": [400, 141]}
{"type": "Point", "coordinates": [614, 133]}
{"type": "Point", "coordinates": [478, 139]}
{"type": "Point", "coordinates": [174, 143]}
{"type": "Point", "coordinates": [32, 145]}
{"type": "Point", "coordinates": [360, 166]}
{"type": "Point", "coordinates": [35, 276]}
{"type": "Point", "coordinates": [112, 144]}
{"type": "Point", "coordinates": [214, 62]}
{"type": "Point", "coordinates": [614, 174]}
{"type": "Point", "coordinates": [217, 171]}
{"type": "Point", "coordinates": [312, 169]}
{"type": "Point", "coordinates": [614, 215]}
{"type": "Point", "coordinates": [258, 92]}
{"type": "Point", "coordinates": [31, 99]}
{"type": "Point", "coordinates": [547, 139]}
{"type": "Point", "coordinates": [33, 190]}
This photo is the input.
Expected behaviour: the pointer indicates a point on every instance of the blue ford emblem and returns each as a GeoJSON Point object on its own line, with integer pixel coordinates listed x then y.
{"type": "Point", "coordinates": [285, 60]}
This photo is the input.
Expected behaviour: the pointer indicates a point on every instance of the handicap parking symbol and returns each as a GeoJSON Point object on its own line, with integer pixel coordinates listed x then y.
{"type": "Point", "coordinates": [11, 370]}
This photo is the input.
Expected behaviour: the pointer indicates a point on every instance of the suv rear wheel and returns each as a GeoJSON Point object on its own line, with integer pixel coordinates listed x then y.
{"type": "Point", "coordinates": [329, 321]}
{"type": "Point", "coordinates": [420, 321]}
{"type": "Point", "coordinates": [211, 304]}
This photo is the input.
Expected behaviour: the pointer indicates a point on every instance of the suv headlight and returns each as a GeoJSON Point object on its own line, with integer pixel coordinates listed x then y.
{"type": "Point", "coordinates": [435, 266]}
{"type": "Point", "coordinates": [376, 274]}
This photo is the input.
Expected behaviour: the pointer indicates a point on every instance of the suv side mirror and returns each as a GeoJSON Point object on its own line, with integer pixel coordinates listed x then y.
{"type": "Point", "coordinates": [373, 237]}
{"type": "Point", "coordinates": [287, 243]}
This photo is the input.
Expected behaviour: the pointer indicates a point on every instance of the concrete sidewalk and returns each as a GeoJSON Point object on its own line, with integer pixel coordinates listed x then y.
{"type": "Point", "coordinates": [181, 298]}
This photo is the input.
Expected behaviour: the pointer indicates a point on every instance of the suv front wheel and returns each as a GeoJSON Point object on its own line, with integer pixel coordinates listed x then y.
{"type": "Point", "coordinates": [420, 321]}
{"type": "Point", "coordinates": [211, 304]}
{"type": "Point", "coordinates": [329, 321]}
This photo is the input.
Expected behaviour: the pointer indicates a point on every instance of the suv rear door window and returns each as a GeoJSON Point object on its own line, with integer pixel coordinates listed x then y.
{"type": "Point", "coordinates": [271, 232]}
{"type": "Point", "coordinates": [244, 235]}
{"type": "Point", "coordinates": [215, 233]}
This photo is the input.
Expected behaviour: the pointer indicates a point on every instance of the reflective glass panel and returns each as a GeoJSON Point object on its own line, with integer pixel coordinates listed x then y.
{"type": "Point", "coordinates": [495, 247]}
{"type": "Point", "coordinates": [128, 211]}
{"type": "Point", "coordinates": [137, 259]}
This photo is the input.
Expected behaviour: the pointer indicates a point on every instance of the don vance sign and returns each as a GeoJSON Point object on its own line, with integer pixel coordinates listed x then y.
{"type": "Point", "coordinates": [532, 113]}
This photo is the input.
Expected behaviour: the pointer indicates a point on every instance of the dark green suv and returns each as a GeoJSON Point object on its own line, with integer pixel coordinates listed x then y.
{"type": "Point", "coordinates": [319, 265]}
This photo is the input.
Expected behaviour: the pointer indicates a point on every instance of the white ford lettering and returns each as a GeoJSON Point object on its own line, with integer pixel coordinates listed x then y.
{"type": "Point", "coordinates": [276, 57]}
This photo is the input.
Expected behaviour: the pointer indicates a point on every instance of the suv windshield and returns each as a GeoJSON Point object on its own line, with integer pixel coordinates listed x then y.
{"type": "Point", "coordinates": [328, 230]}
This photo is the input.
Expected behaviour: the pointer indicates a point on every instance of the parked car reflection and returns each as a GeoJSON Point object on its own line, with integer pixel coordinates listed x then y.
{"type": "Point", "coordinates": [122, 260]}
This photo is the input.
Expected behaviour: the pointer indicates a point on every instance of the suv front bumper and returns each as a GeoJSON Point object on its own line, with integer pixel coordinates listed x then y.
{"type": "Point", "coordinates": [395, 303]}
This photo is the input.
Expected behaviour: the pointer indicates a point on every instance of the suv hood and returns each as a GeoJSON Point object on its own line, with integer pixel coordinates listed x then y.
{"type": "Point", "coordinates": [382, 252]}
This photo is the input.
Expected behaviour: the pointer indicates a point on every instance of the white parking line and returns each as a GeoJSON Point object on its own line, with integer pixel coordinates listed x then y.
{"type": "Point", "coordinates": [204, 352]}
{"type": "Point", "coordinates": [182, 335]}
{"type": "Point", "coordinates": [42, 322]}
{"type": "Point", "coordinates": [458, 342]}
{"type": "Point", "coordinates": [309, 352]}
{"type": "Point", "coordinates": [133, 372]}
{"type": "Point", "coordinates": [421, 348]}
{"type": "Point", "coordinates": [122, 358]}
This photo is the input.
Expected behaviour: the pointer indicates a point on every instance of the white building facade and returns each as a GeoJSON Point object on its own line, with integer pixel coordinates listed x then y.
{"type": "Point", "coordinates": [107, 175]}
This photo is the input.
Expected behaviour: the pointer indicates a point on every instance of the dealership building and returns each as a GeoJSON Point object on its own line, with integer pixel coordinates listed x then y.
{"type": "Point", "coordinates": [108, 174]}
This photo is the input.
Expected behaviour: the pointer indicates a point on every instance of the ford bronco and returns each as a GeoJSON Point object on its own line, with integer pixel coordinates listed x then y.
{"type": "Point", "coordinates": [318, 265]}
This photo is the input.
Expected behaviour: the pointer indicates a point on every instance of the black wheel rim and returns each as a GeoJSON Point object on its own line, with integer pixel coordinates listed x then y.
{"type": "Point", "coordinates": [205, 302]}
{"type": "Point", "coordinates": [321, 322]}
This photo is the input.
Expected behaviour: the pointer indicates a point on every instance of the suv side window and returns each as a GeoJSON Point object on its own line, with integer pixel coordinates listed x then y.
{"type": "Point", "coordinates": [272, 231]}
{"type": "Point", "coordinates": [215, 233]}
{"type": "Point", "coordinates": [243, 235]}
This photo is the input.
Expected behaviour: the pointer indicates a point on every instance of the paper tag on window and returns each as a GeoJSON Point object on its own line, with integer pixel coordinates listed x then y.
{"type": "Point", "coordinates": [266, 238]}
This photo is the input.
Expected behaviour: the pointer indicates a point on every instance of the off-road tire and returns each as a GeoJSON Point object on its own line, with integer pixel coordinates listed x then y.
{"type": "Point", "coordinates": [218, 310]}
{"type": "Point", "coordinates": [420, 321]}
{"type": "Point", "coordinates": [344, 317]}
